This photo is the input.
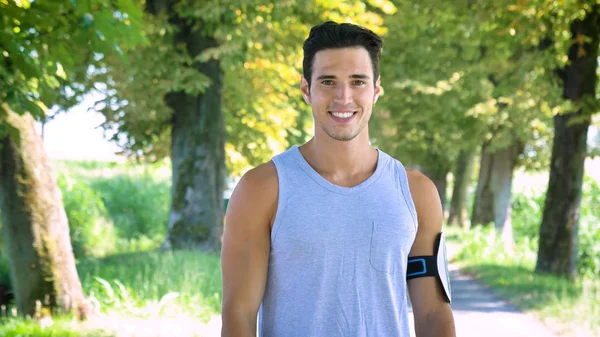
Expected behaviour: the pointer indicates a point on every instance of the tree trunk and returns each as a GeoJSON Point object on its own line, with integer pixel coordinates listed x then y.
{"type": "Point", "coordinates": [492, 199]}
{"type": "Point", "coordinates": [462, 179]}
{"type": "Point", "coordinates": [438, 175]}
{"type": "Point", "coordinates": [35, 224]}
{"type": "Point", "coordinates": [504, 161]}
{"type": "Point", "coordinates": [559, 228]}
{"type": "Point", "coordinates": [483, 203]}
{"type": "Point", "coordinates": [197, 147]}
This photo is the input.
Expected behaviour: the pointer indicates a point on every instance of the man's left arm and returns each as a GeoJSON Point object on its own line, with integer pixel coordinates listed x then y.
{"type": "Point", "coordinates": [432, 314]}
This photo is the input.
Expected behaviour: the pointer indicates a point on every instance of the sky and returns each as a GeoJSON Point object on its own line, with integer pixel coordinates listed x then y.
{"type": "Point", "coordinates": [76, 135]}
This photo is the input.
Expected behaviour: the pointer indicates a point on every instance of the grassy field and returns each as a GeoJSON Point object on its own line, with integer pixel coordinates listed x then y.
{"type": "Point", "coordinates": [143, 294]}
{"type": "Point", "coordinates": [139, 290]}
{"type": "Point", "coordinates": [566, 307]}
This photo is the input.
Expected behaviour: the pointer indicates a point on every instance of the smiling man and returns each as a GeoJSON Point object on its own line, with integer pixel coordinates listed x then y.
{"type": "Point", "coordinates": [330, 237]}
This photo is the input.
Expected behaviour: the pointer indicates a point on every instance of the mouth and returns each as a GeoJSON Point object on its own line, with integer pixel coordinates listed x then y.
{"type": "Point", "coordinates": [342, 116]}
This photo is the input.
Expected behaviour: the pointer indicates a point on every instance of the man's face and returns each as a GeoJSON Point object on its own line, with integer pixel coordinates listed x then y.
{"type": "Point", "coordinates": [342, 91]}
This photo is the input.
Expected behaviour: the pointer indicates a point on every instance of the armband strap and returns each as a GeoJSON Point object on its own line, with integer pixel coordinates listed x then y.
{"type": "Point", "coordinates": [432, 266]}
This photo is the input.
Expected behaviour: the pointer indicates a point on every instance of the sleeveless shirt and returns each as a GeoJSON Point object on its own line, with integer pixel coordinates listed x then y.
{"type": "Point", "coordinates": [338, 258]}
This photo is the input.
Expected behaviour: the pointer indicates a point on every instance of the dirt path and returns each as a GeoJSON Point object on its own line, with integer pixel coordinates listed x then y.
{"type": "Point", "coordinates": [479, 312]}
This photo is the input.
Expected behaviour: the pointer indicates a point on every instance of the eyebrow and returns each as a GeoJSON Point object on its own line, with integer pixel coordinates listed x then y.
{"type": "Point", "coordinates": [331, 77]}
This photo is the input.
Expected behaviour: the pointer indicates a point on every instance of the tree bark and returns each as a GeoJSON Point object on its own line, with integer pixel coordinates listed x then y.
{"type": "Point", "coordinates": [483, 202]}
{"type": "Point", "coordinates": [504, 161]}
{"type": "Point", "coordinates": [493, 195]}
{"type": "Point", "coordinates": [557, 252]}
{"type": "Point", "coordinates": [438, 175]}
{"type": "Point", "coordinates": [36, 227]}
{"type": "Point", "coordinates": [462, 179]}
{"type": "Point", "coordinates": [197, 147]}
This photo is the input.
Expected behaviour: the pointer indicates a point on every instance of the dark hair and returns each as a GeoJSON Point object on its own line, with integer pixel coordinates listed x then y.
{"type": "Point", "coordinates": [331, 35]}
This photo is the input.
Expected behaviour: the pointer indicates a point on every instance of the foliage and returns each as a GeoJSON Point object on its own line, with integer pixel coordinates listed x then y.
{"type": "Point", "coordinates": [588, 260]}
{"type": "Point", "coordinates": [458, 75]}
{"type": "Point", "coordinates": [44, 57]}
{"type": "Point", "coordinates": [152, 293]}
{"type": "Point", "coordinates": [260, 53]}
{"type": "Point", "coordinates": [154, 284]}
{"type": "Point", "coordinates": [137, 204]}
{"type": "Point", "coordinates": [131, 199]}
{"type": "Point", "coordinates": [484, 243]}
{"type": "Point", "coordinates": [88, 218]}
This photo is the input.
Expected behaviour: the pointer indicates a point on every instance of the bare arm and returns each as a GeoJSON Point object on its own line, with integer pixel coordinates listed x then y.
{"type": "Point", "coordinates": [433, 315]}
{"type": "Point", "coordinates": [246, 247]}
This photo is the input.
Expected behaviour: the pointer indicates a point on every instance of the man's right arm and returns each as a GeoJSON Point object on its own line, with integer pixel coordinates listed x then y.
{"type": "Point", "coordinates": [246, 248]}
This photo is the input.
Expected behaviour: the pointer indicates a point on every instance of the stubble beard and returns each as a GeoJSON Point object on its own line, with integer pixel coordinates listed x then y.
{"type": "Point", "coordinates": [345, 138]}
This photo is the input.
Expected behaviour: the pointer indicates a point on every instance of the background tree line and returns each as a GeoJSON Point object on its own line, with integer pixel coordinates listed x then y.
{"type": "Point", "coordinates": [213, 86]}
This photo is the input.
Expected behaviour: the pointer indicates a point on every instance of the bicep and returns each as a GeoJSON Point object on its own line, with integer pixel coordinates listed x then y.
{"type": "Point", "coordinates": [246, 244]}
{"type": "Point", "coordinates": [425, 293]}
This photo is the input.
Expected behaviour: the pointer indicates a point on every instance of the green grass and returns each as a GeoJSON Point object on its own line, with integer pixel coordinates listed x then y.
{"type": "Point", "coordinates": [150, 286]}
{"type": "Point", "coordinates": [560, 303]}
{"type": "Point", "coordinates": [162, 283]}
{"type": "Point", "coordinates": [62, 327]}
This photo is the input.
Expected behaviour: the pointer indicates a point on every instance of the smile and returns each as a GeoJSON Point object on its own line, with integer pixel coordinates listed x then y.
{"type": "Point", "coordinates": [342, 116]}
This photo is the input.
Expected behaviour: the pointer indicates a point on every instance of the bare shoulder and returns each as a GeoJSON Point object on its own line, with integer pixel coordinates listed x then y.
{"type": "Point", "coordinates": [260, 177]}
{"type": "Point", "coordinates": [422, 188]}
{"type": "Point", "coordinates": [255, 195]}
{"type": "Point", "coordinates": [429, 210]}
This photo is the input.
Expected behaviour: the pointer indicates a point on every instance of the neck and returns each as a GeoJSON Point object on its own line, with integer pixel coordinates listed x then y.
{"type": "Point", "coordinates": [342, 159]}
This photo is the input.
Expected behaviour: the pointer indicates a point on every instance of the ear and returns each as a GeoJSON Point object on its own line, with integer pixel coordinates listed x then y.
{"type": "Point", "coordinates": [377, 90]}
{"type": "Point", "coordinates": [305, 90]}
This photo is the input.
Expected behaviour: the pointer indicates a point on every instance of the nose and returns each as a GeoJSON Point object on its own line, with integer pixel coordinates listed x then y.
{"type": "Point", "coordinates": [343, 94]}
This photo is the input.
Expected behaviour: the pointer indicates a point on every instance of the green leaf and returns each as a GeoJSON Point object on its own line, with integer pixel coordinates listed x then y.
{"type": "Point", "coordinates": [87, 21]}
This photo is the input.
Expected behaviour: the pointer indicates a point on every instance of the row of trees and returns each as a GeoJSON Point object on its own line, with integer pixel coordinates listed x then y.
{"type": "Point", "coordinates": [176, 76]}
{"type": "Point", "coordinates": [213, 86]}
{"type": "Point", "coordinates": [497, 78]}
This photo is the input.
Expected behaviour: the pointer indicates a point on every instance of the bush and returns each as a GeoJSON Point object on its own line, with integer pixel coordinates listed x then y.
{"type": "Point", "coordinates": [588, 262]}
{"type": "Point", "coordinates": [92, 233]}
{"type": "Point", "coordinates": [527, 217]}
{"type": "Point", "coordinates": [482, 242]}
{"type": "Point", "coordinates": [138, 205]}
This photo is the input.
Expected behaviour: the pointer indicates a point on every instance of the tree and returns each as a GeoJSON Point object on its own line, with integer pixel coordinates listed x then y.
{"type": "Point", "coordinates": [256, 51]}
{"type": "Point", "coordinates": [559, 228]}
{"type": "Point", "coordinates": [563, 38]}
{"type": "Point", "coordinates": [43, 64]}
{"type": "Point", "coordinates": [467, 74]}
{"type": "Point", "coordinates": [430, 86]}
{"type": "Point", "coordinates": [462, 178]}
{"type": "Point", "coordinates": [39, 247]}
{"type": "Point", "coordinates": [197, 136]}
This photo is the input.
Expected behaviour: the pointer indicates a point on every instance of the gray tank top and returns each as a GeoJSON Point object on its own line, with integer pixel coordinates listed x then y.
{"type": "Point", "coordinates": [338, 255]}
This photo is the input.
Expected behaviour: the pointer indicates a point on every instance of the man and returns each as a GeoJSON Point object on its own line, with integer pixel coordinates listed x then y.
{"type": "Point", "coordinates": [316, 241]}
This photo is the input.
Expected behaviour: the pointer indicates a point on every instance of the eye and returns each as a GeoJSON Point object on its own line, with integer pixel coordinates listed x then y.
{"type": "Point", "coordinates": [358, 82]}
{"type": "Point", "coordinates": [327, 82]}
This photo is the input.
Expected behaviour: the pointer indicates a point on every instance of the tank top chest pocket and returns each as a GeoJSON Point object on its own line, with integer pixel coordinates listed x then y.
{"type": "Point", "coordinates": [390, 245]}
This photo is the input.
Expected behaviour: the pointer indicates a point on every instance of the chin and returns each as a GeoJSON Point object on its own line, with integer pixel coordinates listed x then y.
{"type": "Point", "coordinates": [342, 137]}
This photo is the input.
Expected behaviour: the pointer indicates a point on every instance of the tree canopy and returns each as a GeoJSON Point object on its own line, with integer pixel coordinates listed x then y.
{"type": "Point", "coordinates": [47, 46]}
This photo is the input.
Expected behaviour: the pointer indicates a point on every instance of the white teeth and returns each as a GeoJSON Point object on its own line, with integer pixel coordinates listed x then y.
{"type": "Point", "coordinates": [343, 114]}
